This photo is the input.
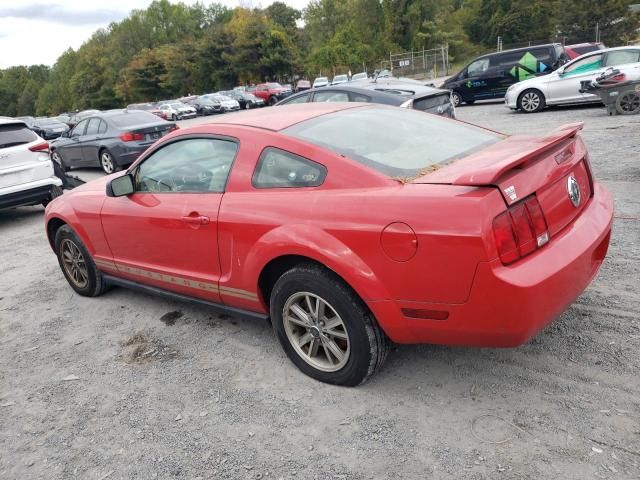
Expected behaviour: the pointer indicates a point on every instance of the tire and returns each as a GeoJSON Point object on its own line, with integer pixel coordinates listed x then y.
{"type": "Point", "coordinates": [456, 98]}
{"type": "Point", "coordinates": [628, 103]}
{"type": "Point", "coordinates": [355, 333]}
{"type": "Point", "coordinates": [272, 101]}
{"type": "Point", "coordinates": [56, 157]}
{"type": "Point", "coordinates": [173, 117]}
{"type": "Point", "coordinates": [87, 281]}
{"type": "Point", "coordinates": [107, 162]}
{"type": "Point", "coordinates": [247, 106]}
{"type": "Point", "coordinates": [56, 191]}
{"type": "Point", "coordinates": [531, 101]}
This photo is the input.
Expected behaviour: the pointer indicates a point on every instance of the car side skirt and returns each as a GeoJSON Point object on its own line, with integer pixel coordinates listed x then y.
{"type": "Point", "coordinates": [218, 308]}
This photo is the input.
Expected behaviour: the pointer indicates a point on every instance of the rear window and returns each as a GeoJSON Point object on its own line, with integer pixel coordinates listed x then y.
{"type": "Point", "coordinates": [15, 134]}
{"type": "Point", "coordinates": [426, 103]}
{"type": "Point", "coordinates": [394, 141]}
{"type": "Point", "coordinates": [133, 118]}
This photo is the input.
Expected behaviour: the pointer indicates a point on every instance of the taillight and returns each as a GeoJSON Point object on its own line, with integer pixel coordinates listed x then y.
{"type": "Point", "coordinates": [131, 137]}
{"type": "Point", "coordinates": [521, 230]}
{"type": "Point", "coordinates": [41, 147]}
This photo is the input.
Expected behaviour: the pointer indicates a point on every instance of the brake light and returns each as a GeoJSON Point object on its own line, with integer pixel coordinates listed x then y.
{"type": "Point", "coordinates": [521, 230]}
{"type": "Point", "coordinates": [131, 137]}
{"type": "Point", "coordinates": [41, 147]}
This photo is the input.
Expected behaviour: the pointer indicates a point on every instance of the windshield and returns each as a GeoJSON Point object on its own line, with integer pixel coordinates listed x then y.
{"type": "Point", "coordinates": [134, 118]}
{"type": "Point", "coordinates": [394, 141]}
{"type": "Point", "coordinates": [177, 105]}
{"type": "Point", "coordinates": [48, 122]}
{"type": "Point", "coordinates": [340, 78]}
{"type": "Point", "coordinates": [274, 85]}
{"type": "Point", "coordinates": [321, 80]}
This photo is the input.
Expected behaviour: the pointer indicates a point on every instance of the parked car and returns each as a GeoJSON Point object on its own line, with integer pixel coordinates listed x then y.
{"type": "Point", "coordinates": [426, 99]}
{"type": "Point", "coordinates": [574, 51]}
{"type": "Point", "coordinates": [63, 118]}
{"type": "Point", "coordinates": [338, 79]}
{"type": "Point", "coordinates": [77, 116]}
{"type": "Point", "coordinates": [303, 85]}
{"type": "Point", "coordinates": [50, 128]}
{"type": "Point", "coordinates": [349, 226]}
{"type": "Point", "coordinates": [148, 107]}
{"type": "Point", "coordinates": [359, 76]}
{"type": "Point", "coordinates": [205, 105]}
{"type": "Point", "coordinates": [227, 104]}
{"type": "Point", "coordinates": [562, 87]}
{"type": "Point", "coordinates": [490, 75]}
{"type": "Point", "coordinates": [110, 140]}
{"type": "Point", "coordinates": [245, 100]}
{"type": "Point", "coordinates": [30, 122]}
{"type": "Point", "coordinates": [320, 82]}
{"type": "Point", "coordinates": [26, 172]}
{"type": "Point", "coordinates": [271, 92]}
{"type": "Point", "coordinates": [178, 110]}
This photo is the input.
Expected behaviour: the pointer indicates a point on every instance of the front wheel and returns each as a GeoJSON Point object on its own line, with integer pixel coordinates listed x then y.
{"type": "Point", "coordinates": [324, 327]}
{"type": "Point", "coordinates": [456, 98]}
{"type": "Point", "coordinates": [272, 101]}
{"type": "Point", "coordinates": [531, 101]}
{"type": "Point", "coordinates": [56, 157]}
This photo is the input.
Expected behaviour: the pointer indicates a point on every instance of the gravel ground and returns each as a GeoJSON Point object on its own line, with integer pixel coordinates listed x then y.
{"type": "Point", "coordinates": [130, 386]}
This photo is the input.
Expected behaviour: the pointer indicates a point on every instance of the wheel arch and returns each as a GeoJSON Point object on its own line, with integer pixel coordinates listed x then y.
{"type": "Point", "coordinates": [53, 225]}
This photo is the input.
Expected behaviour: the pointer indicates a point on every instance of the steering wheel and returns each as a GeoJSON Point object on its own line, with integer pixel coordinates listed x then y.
{"type": "Point", "coordinates": [191, 177]}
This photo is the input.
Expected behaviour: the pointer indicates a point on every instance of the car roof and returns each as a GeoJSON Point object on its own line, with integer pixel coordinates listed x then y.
{"type": "Point", "coordinates": [522, 49]}
{"type": "Point", "coordinates": [277, 119]}
{"type": "Point", "coordinates": [392, 83]}
{"type": "Point", "coordinates": [378, 96]}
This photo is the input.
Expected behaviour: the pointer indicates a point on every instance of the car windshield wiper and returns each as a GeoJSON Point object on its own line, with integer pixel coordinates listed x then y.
{"type": "Point", "coordinates": [12, 144]}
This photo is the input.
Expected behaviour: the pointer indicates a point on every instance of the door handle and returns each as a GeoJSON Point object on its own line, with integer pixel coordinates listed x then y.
{"type": "Point", "coordinates": [195, 219]}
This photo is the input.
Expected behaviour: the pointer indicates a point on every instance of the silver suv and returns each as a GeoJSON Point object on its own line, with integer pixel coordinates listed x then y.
{"type": "Point", "coordinates": [26, 171]}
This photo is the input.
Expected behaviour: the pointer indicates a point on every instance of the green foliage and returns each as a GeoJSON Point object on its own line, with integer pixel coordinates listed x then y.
{"type": "Point", "coordinates": [173, 49]}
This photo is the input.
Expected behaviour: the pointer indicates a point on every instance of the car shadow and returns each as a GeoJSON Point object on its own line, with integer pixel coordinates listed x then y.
{"type": "Point", "coordinates": [12, 215]}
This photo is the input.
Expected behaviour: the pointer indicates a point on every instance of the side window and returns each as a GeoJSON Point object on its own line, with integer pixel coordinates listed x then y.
{"type": "Point", "coordinates": [585, 65]}
{"type": "Point", "coordinates": [478, 67]}
{"type": "Point", "coordinates": [280, 169]}
{"type": "Point", "coordinates": [301, 99]}
{"type": "Point", "coordinates": [103, 127]}
{"type": "Point", "coordinates": [93, 126]}
{"type": "Point", "coordinates": [622, 57]}
{"type": "Point", "coordinates": [79, 128]}
{"type": "Point", "coordinates": [189, 166]}
{"type": "Point", "coordinates": [357, 97]}
{"type": "Point", "coordinates": [331, 96]}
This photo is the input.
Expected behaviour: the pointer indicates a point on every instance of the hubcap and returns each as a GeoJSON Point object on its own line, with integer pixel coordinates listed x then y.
{"type": "Point", "coordinates": [107, 162]}
{"type": "Point", "coordinates": [74, 264]}
{"type": "Point", "coordinates": [56, 158]}
{"type": "Point", "coordinates": [456, 99]}
{"type": "Point", "coordinates": [530, 101]}
{"type": "Point", "coordinates": [316, 331]}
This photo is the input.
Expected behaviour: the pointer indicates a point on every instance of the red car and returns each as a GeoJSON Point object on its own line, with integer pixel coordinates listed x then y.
{"type": "Point", "coordinates": [574, 51]}
{"type": "Point", "coordinates": [271, 92]}
{"type": "Point", "coordinates": [350, 226]}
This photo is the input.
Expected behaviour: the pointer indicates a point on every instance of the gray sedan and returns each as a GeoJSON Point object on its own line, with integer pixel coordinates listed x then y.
{"type": "Point", "coordinates": [110, 140]}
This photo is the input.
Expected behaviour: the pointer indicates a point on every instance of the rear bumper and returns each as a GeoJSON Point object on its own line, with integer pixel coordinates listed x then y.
{"type": "Point", "coordinates": [508, 305]}
{"type": "Point", "coordinates": [28, 194]}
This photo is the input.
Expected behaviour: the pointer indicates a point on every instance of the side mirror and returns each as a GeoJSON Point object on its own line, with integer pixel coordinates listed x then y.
{"type": "Point", "coordinates": [560, 71]}
{"type": "Point", "coordinates": [120, 186]}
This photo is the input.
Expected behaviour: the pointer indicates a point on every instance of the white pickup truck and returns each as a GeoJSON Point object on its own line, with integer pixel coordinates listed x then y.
{"type": "Point", "coordinates": [26, 171]}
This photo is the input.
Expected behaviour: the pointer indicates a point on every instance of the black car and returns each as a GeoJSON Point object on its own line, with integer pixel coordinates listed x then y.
{"type": "Point", "coordinates": [50, 128]}
{"type": "Point", "coordinates": [110, 140]}
{"type": "Point", "coordinates": [203, 105]}
{"type": "Point", "coordinates": [489, 76]}
{"type": "Point", "coordinates": [416, 96]}
{"type": "Point", "coordinates": [246, 100]}
{"type": "Point", "coordinates": [77, 116]}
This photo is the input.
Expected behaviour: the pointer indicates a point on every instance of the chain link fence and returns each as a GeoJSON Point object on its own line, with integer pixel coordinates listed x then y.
{"type": "Point", "coordinates": [432, 63]}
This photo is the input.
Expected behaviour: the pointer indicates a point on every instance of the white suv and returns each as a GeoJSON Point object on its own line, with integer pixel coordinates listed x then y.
{"type": "Point", "coordinates": [26, 171]}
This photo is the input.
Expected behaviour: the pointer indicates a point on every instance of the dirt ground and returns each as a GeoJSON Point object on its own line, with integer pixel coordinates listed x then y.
{"type": "Point", "coordinates": [129, 386]}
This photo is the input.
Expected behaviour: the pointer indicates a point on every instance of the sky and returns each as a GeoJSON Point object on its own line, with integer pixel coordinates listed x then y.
{"type": "Point", "coordinates": [38, 32]}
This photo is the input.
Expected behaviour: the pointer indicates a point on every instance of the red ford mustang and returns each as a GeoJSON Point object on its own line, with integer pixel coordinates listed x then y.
{"type": "Point", "coordinates": [348, 225]}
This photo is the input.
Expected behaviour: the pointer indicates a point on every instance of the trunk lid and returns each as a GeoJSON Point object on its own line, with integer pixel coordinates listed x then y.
{"type": "Point", "coordinates": [554, 167]}
{"type": "Point", "coordinates": [153, 131]}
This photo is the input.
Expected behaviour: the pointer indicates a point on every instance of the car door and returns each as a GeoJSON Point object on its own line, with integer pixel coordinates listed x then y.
{"type": "Point", "coordinates": [474, 86]}
{"type": "Point", "coordinates": [90, 141]}
{"type": "Point", "coordinates": [165, 234]}
{"type": "Point", "coordinates": [71, 151]}
{"type": "Point", "coordinates": [564, 84]}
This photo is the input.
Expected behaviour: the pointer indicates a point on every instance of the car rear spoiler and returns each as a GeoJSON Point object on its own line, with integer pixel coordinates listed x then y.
{"type": "Point", "coordinates": [489, 165]}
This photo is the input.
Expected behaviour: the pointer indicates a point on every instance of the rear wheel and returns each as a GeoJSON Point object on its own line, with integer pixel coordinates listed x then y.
{"type": "Point", "coordinates": [108, 163]}
{"type": "Point", "coordinates": [56, 157]}
{"type": "Point", "coordinates": [531, 101]}
{"type": "Point", "coordinates": [324, 327]}
{"type": "Point", "coordinates": [628, 103]}
{"type": "Point", "coordinates": [77, 265]}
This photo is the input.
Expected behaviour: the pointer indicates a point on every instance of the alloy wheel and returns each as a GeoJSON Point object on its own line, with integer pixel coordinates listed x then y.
{"type": "Point", "coordinates": [106, 161]}
{"type": "Point", "coordinates": [457, 100]}
{"type": "Point", "coordinates": [316, 331]}
{"type": "Point", "coordinates": [74, 264]}
{"type": "Point", "coordinates": [530, 101]}
{"type": "Point", "coordinates": [629, 103]}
